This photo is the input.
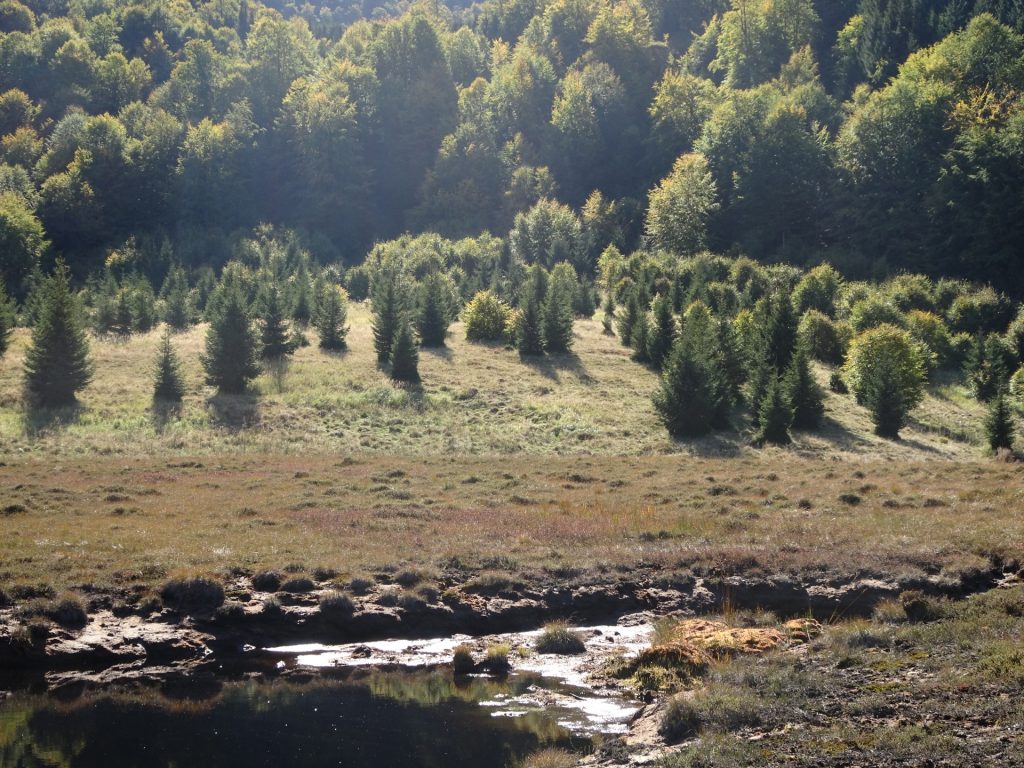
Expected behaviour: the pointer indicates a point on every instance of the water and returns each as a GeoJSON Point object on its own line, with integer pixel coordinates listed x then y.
{"type": "Point", "coordinates": [352, 717]}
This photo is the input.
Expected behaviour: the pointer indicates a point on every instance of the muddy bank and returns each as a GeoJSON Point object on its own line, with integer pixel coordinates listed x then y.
{"type": "Point", "coordinates": [114, 635]}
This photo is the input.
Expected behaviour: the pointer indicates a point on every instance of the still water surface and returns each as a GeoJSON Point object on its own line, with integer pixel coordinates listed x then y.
{"type": "Point", "coordinates": [369, 718]}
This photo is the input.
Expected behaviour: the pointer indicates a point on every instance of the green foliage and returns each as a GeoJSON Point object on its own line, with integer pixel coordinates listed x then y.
{"type": "Point", "coordinates": [885, 369]}
{"type": "Point", "coordinates": [775, 414]}
{"type": "Point", "coordinates": [694, 395]}
{"type": "Point", "coordinates": [178, 310]}
{"type": "Point", "coordinates": [641, 341]}
{"type": "Point", "coordinates": [999, 426]}
{"type": "Point", "coordinates": [874, 311]}
{"type": "Point", "coordinates": [7, 319]}
{"type": "Point", "coordinates": [486, 317]}
{"type": "Point", "coordinates": [803, 393]}
{"type": "Point", "coordinates": [987, 366]}
{"type": "Point", "coordinates": [529, 333]}
{"type": "Point", "coordinates": [823, 338]}
{"type": "Point", "coordinates": [276, 340]}
{"type": "Point", "coordinates": [168, 384]}
{"type": "Point", "coordinates": [627, 319]}
{"type": "Point", "coordinates": [679, 207]}
{"type": "Point", "coordinates": [232, 348]}
{"type": "Point", "coordinates": [433, 314]}
{"type": "Point", "coordinates": [663, 333]}
{"type": "Point", "coordinates": [405, 357]}
{"type": "Point", "coordinates": [330, 317]}
{"type": "Point", "coordinates": [818, 290]}
{"type": "Point", "coordinates": [357, 283]}
{"type": "Point", "coordinates": [557, 310]}
{"type": "Point", "coordinates": [388, 306]}
{"type": "Point", "coordinates": [57, 364]}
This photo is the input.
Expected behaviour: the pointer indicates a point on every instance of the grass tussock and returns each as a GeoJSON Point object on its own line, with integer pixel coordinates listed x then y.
{"type": "Point", "coordinates": [551, 758]}
{"type": "Point", "coordinates": [191, 593]}
{"type": "Point", "coordinates": [560, 639]}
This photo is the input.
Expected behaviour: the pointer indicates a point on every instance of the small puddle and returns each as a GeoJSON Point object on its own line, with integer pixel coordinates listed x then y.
{"type": "Point", "coordinates": [359, 706]}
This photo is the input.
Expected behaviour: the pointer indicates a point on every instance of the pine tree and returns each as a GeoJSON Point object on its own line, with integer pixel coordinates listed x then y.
{"type": "Point", "coordinates": [302, 304]}
{"type": "Point", "coordinates": [663, 334]}
{"type": "Point", "coordinates": [775, 415]}
{"type": "Point", "coordinates": [405, 358]}
{"type": "Point", "coordinates": [168, 386]}
{"type": "Point", "coordinates": [529, 338]}
{"type": "Point", "coordinates": [433, 316]}
{"type": "Point", "coordinates": [780, 332]}
{"type": "Point", "coordinates": [276, 340]}
{"type": "Point", "coordinates": [987, 372]}
{"type": "Point", "coordinates": [329, 318]}
{"type": "Point", "coordinates": [686, 400]}
{"type": "Point", "coordinates": [628, 317]}
{"type": "Point", "coordinates": [388, 309]}
{"type": "Point", "coordinates": [231, 344]}
{"type": "Point", "coordinates": [608, 318]}
{"type": "Point", "coordinates": [757, 386]}
{"type": "Point", "coordinates": [640, 343]}
{"type": "Point", "coordinates": [734, 371]}
{"type": "Point", "coordinates": [804, 393]}
{"type": "Point", "coordinates": [585, 301]}
{"type": "Point", "coordinates": [999, 426]}
{"type": "Point", "coordinates": [557, 314]}
{"type": "Point", "coordinates": [143, 307]}
{"type": "Point", "coordinates": [57, 363]}
{"type": "Point", "coordinates": [122, 321]}
{"type": "Point", "coordinates": [6, 319]}
{"type": "Point", "coordinates": [177, 306]}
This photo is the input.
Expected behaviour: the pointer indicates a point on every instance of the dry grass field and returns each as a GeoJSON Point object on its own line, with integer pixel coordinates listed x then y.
{"type": "Point", "coordinates": [495, 463]}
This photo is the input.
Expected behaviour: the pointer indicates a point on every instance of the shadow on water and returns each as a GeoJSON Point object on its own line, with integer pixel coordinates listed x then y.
{"type": "Point", "coordinates": [367, 720]}
{"type": "Point", "coordinates": [234, 412]}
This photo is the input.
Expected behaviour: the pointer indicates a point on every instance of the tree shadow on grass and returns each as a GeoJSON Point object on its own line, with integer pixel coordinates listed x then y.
{"type": "Point", "coordinates": [234, 412]}
{"type": "Point", "coordinates": [39, 420]}
{"type": "Point", "coordinates": [162, 413]}
{"type": "Point", "coordinates": [553, 366]}
{"type": "Point", "coordinates": [442, 352]}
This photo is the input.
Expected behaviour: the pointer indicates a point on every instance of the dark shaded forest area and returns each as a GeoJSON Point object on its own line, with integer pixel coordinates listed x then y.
{"type": "Point", "coordinates": [880, 135]}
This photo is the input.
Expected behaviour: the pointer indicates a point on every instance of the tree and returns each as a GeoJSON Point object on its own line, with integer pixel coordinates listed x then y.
{"type": "Point", "coordinates": [405, 358]}
{"type": "Point", "coordinates": [122, 325]}
{"type": "Point", "coordinates": [529, 334]}
{"type": "Point", "coordinates": [168, 385]}
{"type": "Point", "coordinates": [388, 309]}
{"type": "Point", "coordinates": [6, 319]}
{"type": "Point", "coordinates": [329, 318]}
{"type": "Point", "coordinates": [57, 364]}
{"type": "Point", "coordinates": [775, 415]}
{"type": "Point", "coordinates": [803, 392]}
{"type": "Point", "coordinates": [999, 425]}
{"type": "Point", "coordinates": [663, 334]}
{"type": "Point", "coordinates": [177, 304]}
{"type": "Point", "coordinates": [679, 207]}
{"type": "Point", "coordinates": [486, 317]}
{"type": "Point", "coordinates": [608, 313]}
{"type": "Point", "coordinates": [230, 359]}
{"type": "Point", "coordinates": [641, 340]}
{"type": "Point", "coordinates": [628, 318]}
{"type": "Point", "coordinates": [689, 397]}
{"type": "Point", "coordinates": [885, 370]}
{"type": "Point", "coordinates": [986, 366]}
{"type": "Point", "coordinates": [276, 340]}
{"type": "Point", "coordinates": [434, 315]}
{"type": "Point", "coordinates": [557, 310]}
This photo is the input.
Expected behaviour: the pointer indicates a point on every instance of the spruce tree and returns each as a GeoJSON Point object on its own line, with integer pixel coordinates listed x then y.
{"type": "Point", "coordinates": [999, 425]}
{"type": "Point", "coordinates": [780, 332]}
{"type": "Point", "coordinates": [557, 314]}
{"type": "Point", "coordinates": [433, 315]}
{"type": "Point", "coordinates": [168, 385]}
{"type": "Point", "coordinates": [6, 319]}
{"type": "Point", "coordinates": [57, 363]}
{"type": "Point", "coordinates": [641, 340]}
{"type": "Point", "coordinates": [387, 307]}
{"type": "Point", "coordinates": [757, 386]}
{"type": "Point", "coordinates": [529, 337]}
{"type": "Point", "coordinates": [804, 393]}
{"type": "Point", "coordinates": [686, 401]}
{"type": "Point", "coordinates": [276, 340]}
{"type": "Point", "coordinates": [405, 358]}
{"type": "Point", "coordinates": [775, 415]}
{"type": "Point", "coordinates": [122, 322]}
{"type": "Point", "coordinates": [608, 317]}
{"type": "Point", "coordinates": [330, 317]}
{"type": "Point", "coordinates": [143, 306]}
{"type": "Point", "coordinates": [177, 306]}
{"type": "Point", "coordinates": [663, 333]}
{"type": "Point", "coordinates": [585, 300]}
{"type": "Point", "coordinates": [302, 304]}
{"type": "Point", "coordinates": [986, 368]}
{"type": "Point", "coordinates": [230, 359]}
{"type": "Point", "coordinates": [628, 317]}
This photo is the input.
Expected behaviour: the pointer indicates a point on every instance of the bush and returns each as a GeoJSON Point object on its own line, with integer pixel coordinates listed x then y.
{"type": "Point", "coordinates": [824, 339]}
{"type": "Point", "coordinates": [360, 585]}
{"type": "Point", "coordinates": [817, 290]}
{"type": "Point", "coordinates": [485, 317]}
{"type": "Point", "coordinates": [297, 584]}
{"type": "Point", "coordinates": [336, 605]}
{"type": "Point", "coordinates": [929, 329]}
{"type": "Point", "coordinates": [679, 721]}
{"type": "Point", "coordinates": [192, 593]}
{"type": "Point", "coordinates": [462, 660]}
{"type": "Point", "coordinates": [885, 370]}
{"type": "Point", "coordinates": [875, 311]}
{"type": "Point", "coordinates": [267, 581]}
{"type": "Point", "coordinates": [68, 611]}
{"type": "Point", "coordinates": [357, 283]}
{"type": "Point", "coordinates": [980, 311]}
{"type": "Point", "coordinates": [558, 639]}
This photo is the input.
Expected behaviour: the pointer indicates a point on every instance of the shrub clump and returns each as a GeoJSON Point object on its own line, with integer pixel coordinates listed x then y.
{"type": "Point", "coordinates": [336, 605]}
{"type": "Point", "coordinates": [679, 721]}
{"type": "Point", "coordinates": [267, 581]}
{"type": "Point", "coordinates": [486, 317]}
{"type": "Point", "coordinates": [462, 660]}
{"type": "Point", "coordinates": [551, 758]}
{"type": "Point", "coordinates": [559, 639]}
{"type": "Point", "coordinates": [496, 661]}
{"type": "Point", "coordinates": [193, 593]}
{"type": "Point", "coordinates": [297, 584]}
{"type": "Point", "coordinates": [68, 611]}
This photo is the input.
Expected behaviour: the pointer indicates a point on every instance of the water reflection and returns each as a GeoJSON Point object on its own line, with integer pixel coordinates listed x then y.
{"type": "Point", "coordinates": [368, 719]}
